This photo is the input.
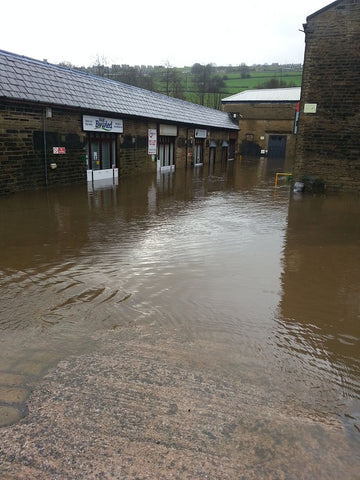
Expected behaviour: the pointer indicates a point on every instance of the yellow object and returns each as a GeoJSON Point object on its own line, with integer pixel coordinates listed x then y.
{"type": "Point", "coordinates": [283, 174]}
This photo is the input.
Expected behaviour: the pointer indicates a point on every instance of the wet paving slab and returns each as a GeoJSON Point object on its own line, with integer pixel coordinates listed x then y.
{"type": "Point", "coordinates": [150, 406]}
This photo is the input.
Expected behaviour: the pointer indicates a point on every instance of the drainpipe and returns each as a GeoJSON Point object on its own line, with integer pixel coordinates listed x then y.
{"type": "Point", "coordinates": [186, 149]}
{"type": "Point", "coordinates": [45, 155]}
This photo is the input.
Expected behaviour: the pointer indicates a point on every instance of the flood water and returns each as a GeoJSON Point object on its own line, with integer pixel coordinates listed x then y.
{"type": "Point", "coordinates": [274, 279]}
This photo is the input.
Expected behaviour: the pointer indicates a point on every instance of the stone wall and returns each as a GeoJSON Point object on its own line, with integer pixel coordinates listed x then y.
{"type": "Point", "coordinates": [28, 135]}
{"type": "Point", "coordinates": [134, 159]}
{"type": "Point", "coordinates": [328, 141]}
{"type": "Point", "coordinates": [27, 139]}
{"type": "Point", "coordinates": [260, 120]}
{"type": "Point", "coordinates": [132, 148]}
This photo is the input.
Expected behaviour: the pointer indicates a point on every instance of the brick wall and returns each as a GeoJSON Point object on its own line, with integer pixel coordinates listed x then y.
{"type": "Point", "coordinates": [328, 141]}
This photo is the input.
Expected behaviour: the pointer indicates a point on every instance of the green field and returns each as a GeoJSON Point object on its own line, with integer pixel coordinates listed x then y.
{"type": "Point", "coordinates": [235, 84]}
{"type": "Point", "coordinates": [232, 83]}
{"type": "Point", "coordinates": [204, 84]}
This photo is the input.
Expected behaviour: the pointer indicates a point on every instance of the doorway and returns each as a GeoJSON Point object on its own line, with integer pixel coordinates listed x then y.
{"type": "Point", "coordinates": [277, 146]}
{"type": "Point", "coordinates": [166, 153]}
{"type": "Point", "coordinates": [101, 156]}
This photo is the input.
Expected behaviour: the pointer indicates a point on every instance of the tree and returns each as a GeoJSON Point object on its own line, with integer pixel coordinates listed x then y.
{"type": "Point", "coordinates": [176, 85]}
{"type": "Point", "coordinates": [244, 71]}
{"type": "Point", "coordinates": [202, 79]}
{"type": "Point", "coordinates": [100, 65]}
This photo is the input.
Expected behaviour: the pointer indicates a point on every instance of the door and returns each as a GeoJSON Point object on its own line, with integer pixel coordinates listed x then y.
{"type": "Point", "coordinates": [198, 151]}
{"type": "Point", "coordinates": [277, 146]}
{"type": "Point", "coordinates": [166, 152]}
{"type": "Point", "coordinates": [101, 156]}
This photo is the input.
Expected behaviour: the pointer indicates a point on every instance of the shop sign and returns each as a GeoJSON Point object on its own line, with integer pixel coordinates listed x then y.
{"type": "Point", "coordinates": [102, 124]}
{"type": "Point", "coordinates": [200, 133]}
{"type": "Point", "coordinates": [152, 141]}
{"type": "Point", "coordinates": [59, 150]}
{"type": "Point", "coordinates": [168, 130]}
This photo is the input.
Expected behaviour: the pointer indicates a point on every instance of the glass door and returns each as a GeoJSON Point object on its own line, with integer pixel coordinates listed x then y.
{"type": "Point", "coordinates": [166, 152]}
{"type": "Point", "coordinates": [101, 151]}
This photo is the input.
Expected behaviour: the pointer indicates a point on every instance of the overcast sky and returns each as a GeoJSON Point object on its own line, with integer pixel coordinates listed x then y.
{"type": "Point", "coordinates": [157, 32]}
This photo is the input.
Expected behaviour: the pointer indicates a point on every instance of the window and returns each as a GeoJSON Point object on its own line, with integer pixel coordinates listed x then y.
{"type": "Point", "coordinates": [101, 151]}
{"type": "Point", "coordinates": [198, 151]}
{"type": "Point", "coordinates": [166, 151]}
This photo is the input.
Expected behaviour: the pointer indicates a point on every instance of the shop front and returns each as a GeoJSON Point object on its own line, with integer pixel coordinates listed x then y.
{"type": "Point", "coordinates": [101, 151]}
{"type": "Point", "coordinates": [166, 146]}
{"type": "Point", "coordinates": [200, 136]}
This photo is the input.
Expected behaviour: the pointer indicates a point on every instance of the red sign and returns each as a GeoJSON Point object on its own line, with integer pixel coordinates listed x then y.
{"type": "Point", "coordinates": [59, 150]}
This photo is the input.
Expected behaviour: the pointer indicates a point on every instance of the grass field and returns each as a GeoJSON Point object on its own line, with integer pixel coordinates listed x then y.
{"type": "Point", "coordinates": [235, 84]}
{"type": "Point", "coordinates": [217, 82]}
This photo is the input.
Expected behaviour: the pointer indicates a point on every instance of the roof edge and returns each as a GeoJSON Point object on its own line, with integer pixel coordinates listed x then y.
{"type": "Point", "coordinates": [259, 101]}
{"type": "Point", "coordinates": [195, 117]}
{"type": "Point", "coordinates": [323, 9]}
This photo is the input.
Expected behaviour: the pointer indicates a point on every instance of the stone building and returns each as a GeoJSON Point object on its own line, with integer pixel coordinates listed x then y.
{"type": "Point", "coordinates": [266, 119]}
{"type": "Point", "coordinates": [328, 140]}
{"type": "Point", "coordinates": [62, 126]}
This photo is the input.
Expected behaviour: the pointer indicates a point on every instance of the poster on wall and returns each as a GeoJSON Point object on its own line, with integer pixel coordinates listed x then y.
{"type": "Point", "coordinates": [152, 141]}
{"type": "Point", "coordinates": [102, 124]}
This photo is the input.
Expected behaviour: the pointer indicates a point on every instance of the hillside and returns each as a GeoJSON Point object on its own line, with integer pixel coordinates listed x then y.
{"type": "Point", "coordinates": [203, 84]}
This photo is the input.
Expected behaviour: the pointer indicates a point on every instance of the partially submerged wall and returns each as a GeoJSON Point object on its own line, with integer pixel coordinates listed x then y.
{"type": "Point", "coordinates": [328, 140]}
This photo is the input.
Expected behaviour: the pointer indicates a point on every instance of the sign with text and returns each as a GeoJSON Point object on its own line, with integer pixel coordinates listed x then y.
{"type": "Point", "coordinates": [59, 150]}
{"type": "Point", "coordinates": [102, 124]}
{"type": "Point", "coordinates": [200, 133]}
{"type": "Point", "coordinates": [152, 141]}
{"type": "Point", "coordinates": [168, 130]}
{"type": "Point", "coordinates": [310, 107]}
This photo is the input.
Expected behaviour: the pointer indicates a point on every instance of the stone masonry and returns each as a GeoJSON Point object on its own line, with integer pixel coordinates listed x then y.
{"type": "Point", "coordinates": [257, 121]}
{"type": "Point", "coordinates": [328, 140]}
{"type": "Point", "coordinates": [28, 136]}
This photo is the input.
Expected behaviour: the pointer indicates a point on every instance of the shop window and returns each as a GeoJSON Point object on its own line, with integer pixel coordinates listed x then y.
{"type": "Point", "coordinates": [166, 151]}
{"type": "Point", "coordinates": [101, 151]}
{"type": "Point", "coordinates": [198, 151]}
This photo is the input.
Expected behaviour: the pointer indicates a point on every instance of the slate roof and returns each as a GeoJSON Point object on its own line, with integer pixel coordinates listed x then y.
{"type": "Point", "coordinates": [266, 95]}
{"type": "Point", "coordinates": [27, 79]}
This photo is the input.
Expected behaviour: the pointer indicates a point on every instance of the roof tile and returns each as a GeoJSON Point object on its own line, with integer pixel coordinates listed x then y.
{"type": "Point", "coordinates": [42, 82]}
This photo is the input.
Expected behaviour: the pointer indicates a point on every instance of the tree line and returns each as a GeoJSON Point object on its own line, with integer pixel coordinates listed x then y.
{"type": "Point", "coordinates": [201, 84]}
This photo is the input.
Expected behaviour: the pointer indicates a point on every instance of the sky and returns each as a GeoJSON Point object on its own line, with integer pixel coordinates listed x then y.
{"type": "Point", "coordinates": [157, 32]}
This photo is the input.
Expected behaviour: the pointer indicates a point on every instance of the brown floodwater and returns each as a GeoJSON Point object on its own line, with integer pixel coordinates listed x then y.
{"type": "Point", "coordinates": [213, 255]}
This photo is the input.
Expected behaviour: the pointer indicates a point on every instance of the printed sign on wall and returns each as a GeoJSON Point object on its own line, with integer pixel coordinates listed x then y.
{"type": "Point", "coordinates": [152, 141]}
{"type": "Point", "coordinates": [310, 107]}
{"type": "Point", "coordinates": [200, 133]}
{"type": "Point", "coordinates": [168, 130]}
{"type": "Point", "coordinates": [59, 150]}
{"type": "Point", "coordinates": [102, 124]}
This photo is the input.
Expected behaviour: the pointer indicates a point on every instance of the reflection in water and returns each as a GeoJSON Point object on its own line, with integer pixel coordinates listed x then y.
{"type": "Point", "coordinates": [320, 306]}
{"type": "Point", "coordinates": [271, 286]}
